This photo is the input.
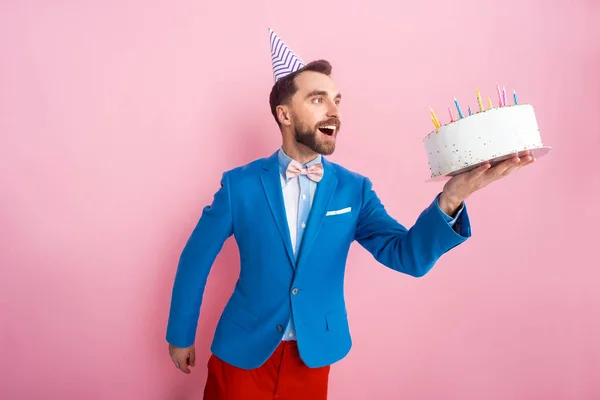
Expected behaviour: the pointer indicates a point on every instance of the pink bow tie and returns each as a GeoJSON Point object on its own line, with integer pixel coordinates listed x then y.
{"type": "Point", "coordinates": [314, 172]}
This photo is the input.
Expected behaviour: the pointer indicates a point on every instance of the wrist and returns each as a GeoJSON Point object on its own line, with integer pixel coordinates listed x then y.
{"type": "Point", "coordinates": [449, 204]}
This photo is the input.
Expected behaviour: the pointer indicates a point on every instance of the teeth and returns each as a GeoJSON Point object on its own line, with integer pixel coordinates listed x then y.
{"type": "Point", "coordinates": [329, 127]}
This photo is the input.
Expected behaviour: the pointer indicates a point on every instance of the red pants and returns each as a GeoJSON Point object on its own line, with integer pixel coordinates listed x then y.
{"type": "Point", "coordinates": [284, 376]}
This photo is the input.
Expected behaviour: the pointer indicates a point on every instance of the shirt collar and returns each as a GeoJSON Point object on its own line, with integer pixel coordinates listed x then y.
{"type": "Point", "coordinates": [284, 160]}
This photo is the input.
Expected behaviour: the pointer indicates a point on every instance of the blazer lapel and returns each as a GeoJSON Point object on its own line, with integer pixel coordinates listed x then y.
{"type": "Point", "coordinates": [271, 181]}
{"type": "Point", "coordinates": [323, 196]}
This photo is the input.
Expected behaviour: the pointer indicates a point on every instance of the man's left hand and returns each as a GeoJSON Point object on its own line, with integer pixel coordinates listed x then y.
{"type": "Point", "coordinates": [461, 186]}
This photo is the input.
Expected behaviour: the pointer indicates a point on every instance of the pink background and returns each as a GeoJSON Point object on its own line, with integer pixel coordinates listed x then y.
{"type": "Point", "coordinates": [117, 119]}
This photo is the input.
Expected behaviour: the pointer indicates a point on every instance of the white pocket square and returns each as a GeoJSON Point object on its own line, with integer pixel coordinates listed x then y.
{"type": "Point", "coordinates": [337, 212]}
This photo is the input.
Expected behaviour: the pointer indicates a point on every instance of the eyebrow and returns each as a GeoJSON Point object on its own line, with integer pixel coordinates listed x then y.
{"type": "Point", "coordinates": [321, 93]}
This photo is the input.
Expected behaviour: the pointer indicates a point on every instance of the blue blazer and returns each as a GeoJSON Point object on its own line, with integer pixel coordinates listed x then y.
{"type": "Point", "coordinates": [273, 282]}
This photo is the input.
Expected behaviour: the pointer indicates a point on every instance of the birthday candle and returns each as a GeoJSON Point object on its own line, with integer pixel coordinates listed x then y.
{"type": "Point", "coordinates": [451, 115]}
{"type": "Point", "coordinates": [490, 102]}
{"type": "Point", "coordinates": [515, 97]}
{"type": "Point", "coordinates": [479, 100]}
{"type": "Point", "coordinates": [504, 96]}
{"type": "Point", "coordinates": [470, 113]}
{"type": "Point", "coordinates": [436, 121]}
{"type": "Point", "coordinates": [458, 108]}
{"type": "Point", "coordinates": [434, 117]}
{"type": "Point", "coordinates": [499, 95]}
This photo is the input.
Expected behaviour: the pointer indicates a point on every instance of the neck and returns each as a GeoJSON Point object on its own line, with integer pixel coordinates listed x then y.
{"type": "Point", "coordinates": [298, 151]}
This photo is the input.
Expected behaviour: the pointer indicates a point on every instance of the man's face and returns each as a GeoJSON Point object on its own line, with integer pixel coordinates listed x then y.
{"type": "Point", "coordinates": [315, 112]}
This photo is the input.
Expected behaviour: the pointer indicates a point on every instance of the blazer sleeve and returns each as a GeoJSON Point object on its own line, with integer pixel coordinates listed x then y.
{"type": "Point", "coordinates": [204, 244]}
{"type": "Point", "coordinates": [412, 251]}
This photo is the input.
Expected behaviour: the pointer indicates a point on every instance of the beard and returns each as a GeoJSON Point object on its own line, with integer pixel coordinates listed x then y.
{"type": "Point", "coordinates": [312, 138]}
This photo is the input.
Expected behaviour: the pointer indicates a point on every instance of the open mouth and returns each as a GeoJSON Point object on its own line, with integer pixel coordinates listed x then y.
{"type": "Point", "coordinates": [328, 130]}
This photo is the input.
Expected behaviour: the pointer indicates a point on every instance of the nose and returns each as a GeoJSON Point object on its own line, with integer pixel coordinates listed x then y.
{"type": "Point", "coordinates": [333, 111]}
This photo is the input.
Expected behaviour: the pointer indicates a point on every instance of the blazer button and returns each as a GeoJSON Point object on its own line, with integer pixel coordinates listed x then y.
{"type": "Point", "coordinates": [280, 328]}
{"type": "Point", "coordinates": [295, 291]}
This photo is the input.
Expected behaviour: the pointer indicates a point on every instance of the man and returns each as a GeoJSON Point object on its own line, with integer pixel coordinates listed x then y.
{"type": "Point", "coordinates": [294, 216]}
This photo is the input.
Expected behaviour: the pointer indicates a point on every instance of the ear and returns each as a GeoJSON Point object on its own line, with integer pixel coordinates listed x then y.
{"type": "Point", "coordinates": [283, 115]}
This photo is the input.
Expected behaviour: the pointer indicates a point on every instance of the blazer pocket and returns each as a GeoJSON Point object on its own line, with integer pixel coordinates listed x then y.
{"type": "Point", "coordinates": [337, 320]}
{"type": "Point", "coordinates": [241, 317]}
{"type": "Point", "coordinates": [338, 217]}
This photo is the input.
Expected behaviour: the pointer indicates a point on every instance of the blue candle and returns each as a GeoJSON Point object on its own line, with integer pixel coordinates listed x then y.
{"type": "Point", "coordinates": [515, 97]}
{"type": "Point", "coordinates": [470, 113]}
{"type": "Point", "coordinates": [458, 108]}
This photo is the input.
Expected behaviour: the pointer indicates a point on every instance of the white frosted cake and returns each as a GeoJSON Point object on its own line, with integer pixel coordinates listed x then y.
{"type": "Point", "coordinates": [480, 137]}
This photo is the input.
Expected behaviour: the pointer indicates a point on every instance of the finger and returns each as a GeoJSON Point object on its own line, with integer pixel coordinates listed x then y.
{"type": "Point", "coordinates": [193, 357]}
{"type": "Point", "coordinates": [526, 160]}
{"type": "Point", "coordinates": [510, 170]}
{"type": "Point", "coordinates": [477, 172]}
{"type": "Point", "coordinates": [531, 161]}
{"type": "Point", "coordinates": [181, 364]}
{"type": "Point", "coordinates": [497, 171]}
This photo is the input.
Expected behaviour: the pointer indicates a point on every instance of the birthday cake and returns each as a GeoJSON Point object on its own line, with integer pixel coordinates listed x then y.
{"type": "Point", "coordinates": [486, 135]}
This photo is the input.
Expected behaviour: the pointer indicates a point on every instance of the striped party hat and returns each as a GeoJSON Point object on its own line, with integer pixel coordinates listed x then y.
{"type": "Point", "coordinates": [283, 58]}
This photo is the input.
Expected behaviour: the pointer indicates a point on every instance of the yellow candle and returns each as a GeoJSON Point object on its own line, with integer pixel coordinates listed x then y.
{"type": "Point", "coordinates": [490, 102]}
{"type": "Point", "coordinates": [479, 100]}
{"type": "Point", "coordinates": [434, 118]}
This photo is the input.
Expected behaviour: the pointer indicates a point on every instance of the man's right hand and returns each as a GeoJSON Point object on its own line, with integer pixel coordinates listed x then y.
{"type": "Point", "coordinates": [183, 357]}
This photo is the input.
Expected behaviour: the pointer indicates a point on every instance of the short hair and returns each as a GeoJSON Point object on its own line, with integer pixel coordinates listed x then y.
{"type": "Point", "coordinates": [285, 88]}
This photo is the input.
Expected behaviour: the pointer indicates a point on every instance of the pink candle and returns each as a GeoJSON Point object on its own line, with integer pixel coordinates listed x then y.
{"type": "Point", "coordinates": [499, 95]}
{"type": "Point", "coordinates": [451, 115]}
{"type": "Point", "coordinates": [504, 96]}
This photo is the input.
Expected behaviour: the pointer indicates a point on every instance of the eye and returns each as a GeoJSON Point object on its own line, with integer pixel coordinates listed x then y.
{"type": "Point", "coordinates": [317, 99]}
